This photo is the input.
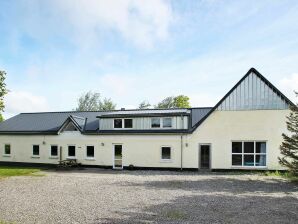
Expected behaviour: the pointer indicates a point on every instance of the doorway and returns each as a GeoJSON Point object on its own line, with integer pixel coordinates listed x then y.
{"type": "Point", "coordinates": [117, 164]}
{"type": "Point", "coordinates": [204, 156]}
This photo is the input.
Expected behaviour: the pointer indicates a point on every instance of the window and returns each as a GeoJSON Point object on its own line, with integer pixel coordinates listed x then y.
{"type": "Point", "coordinates": [71, 151]}
{"type": "Point", "coordinates": [249, 153]}
{"type": "Point", "coordinates": [35, 150]}
{"type": "Point", "coordinates": [155, 122]}
{"type": "Point", "coordinates": [90, 151]}
{"type": "Point", "coordinates": [127, 123]}
{"type": "Point", "coordinates": [167, 122]}
{"type": "Point", "coordinates": [117, 123]}
{"type": "Point", "coordinates": [54, 150]}
{"type": "Point", "coordinates": [123, 123]}
{"type": "Point", "coordinates": [7, 149]}
{"type": "Point", "coordinates": [166, 153]}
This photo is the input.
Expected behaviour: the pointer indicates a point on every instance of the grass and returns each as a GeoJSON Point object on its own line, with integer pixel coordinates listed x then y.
{"type": "Point", "coordinates": [285, 175]}
{"type": "Point", "coordinates": [7, 171]}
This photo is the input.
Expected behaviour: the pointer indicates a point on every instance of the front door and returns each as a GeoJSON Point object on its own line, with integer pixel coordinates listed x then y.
{"type": "Point", "coordinates": [118, 157]}
{"type": "Point", "coordinates": [204, 156]}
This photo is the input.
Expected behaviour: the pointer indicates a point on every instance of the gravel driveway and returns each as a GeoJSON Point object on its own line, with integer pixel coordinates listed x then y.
{"type": "Point", "coordinates": [106, 196]}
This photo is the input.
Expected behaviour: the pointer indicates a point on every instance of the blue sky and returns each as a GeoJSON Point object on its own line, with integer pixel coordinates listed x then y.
{"type": "Point", "coordinates": [53, 51]}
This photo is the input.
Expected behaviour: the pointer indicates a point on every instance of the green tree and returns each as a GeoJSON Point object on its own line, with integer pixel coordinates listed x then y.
{"type": "Point", "coordinates": [289, 146]}
{"type": "Point", "coordinates": [3, 92]}
{"type": "Point", "coordinates": [144, 105]}
{"type": "Point", "coordinates": [180, 101]}
{"type": "Point", "coordinates": [91, 101]}
{"type": "Point", "coordinates": [107, 104]}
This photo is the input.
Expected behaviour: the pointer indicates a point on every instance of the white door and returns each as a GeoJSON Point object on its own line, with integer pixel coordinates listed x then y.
{"type": "Point", "coordinates": [118, 157]}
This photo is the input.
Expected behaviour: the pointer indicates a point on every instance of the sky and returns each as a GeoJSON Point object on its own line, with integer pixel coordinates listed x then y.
{"type": "Point", "coordinates": [133, 50]}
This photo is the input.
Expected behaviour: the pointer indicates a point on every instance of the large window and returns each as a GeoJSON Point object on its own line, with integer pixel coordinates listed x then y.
{"type": "Point", "coordinates": [71, 151]}
{"type": "Point", "coordinates": [7, 149]}
{"type": "Point", "coordinates": [54, 151]}
{"type": "Point", "coordinates": [35, 151]}
{"type": "Point", "coordinates": [123, 123]}
{"type": "Point", "coordinates": [166, 153]}
{"type": "Point", "coordinates": [90, 151]}
{"type": "Point", "coordinates": [249, 153]}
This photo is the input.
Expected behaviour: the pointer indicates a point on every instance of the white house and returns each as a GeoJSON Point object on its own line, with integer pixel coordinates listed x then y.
{"type": "Point", "coordinates": [242, 131]}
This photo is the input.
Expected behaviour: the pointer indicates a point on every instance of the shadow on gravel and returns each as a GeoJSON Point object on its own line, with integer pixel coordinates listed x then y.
{"type": "Point", "coordinates": [222, 184]}
{"type": "Point", "coordinates": [216, 209]}
{"type": "Point", "coordinates": [219, 200]}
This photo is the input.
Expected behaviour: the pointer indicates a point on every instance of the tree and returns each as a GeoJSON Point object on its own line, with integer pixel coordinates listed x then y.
{"type": "Point", "coordinates": [107, 104]}
{"type": "Point", "coordinates": [3, 92]}
{"type": "Point", "coordinates": [144, 105]}
{"type": "Point", "coordinates": [180, 101]}
{"type": "Point", "coordinates": [91, 101]}
{"type": "Point", "coordinates": [289, 146]}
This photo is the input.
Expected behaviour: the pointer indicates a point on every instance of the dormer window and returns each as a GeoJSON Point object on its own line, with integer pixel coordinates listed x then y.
{"type": "Point", "coordinates": [155, 122]}
{"type": "Point", "coordinates": [117, 123]}
{"type": "Point", "coordinates": [123, 123]}
{"type": "Point", "coordinates": [165, 122]}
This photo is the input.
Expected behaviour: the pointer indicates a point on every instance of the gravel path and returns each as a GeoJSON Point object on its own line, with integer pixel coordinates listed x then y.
{"type": "Point", "coordinates": [106, 196]}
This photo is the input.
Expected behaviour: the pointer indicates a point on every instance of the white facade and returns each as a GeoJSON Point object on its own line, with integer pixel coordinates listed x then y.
{"type": "Point", "coordinates": [218, 130]}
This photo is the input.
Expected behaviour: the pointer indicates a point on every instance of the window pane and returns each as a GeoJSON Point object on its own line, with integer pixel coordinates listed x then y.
{"type": "Point", "coordinates": [90, 151]}
{"type": "Point", "coordinates": [71, 150]}
{"type": "Point", "coordinates": [117, 123]}
{"type": "Point", "coordinates": [155, 122]}
{"type": "Point", "coordinates": [237, 160]}
{"type": "Point", "coordinates": [7, 149]}
{"type": "Point", "coordinates": [260, 160]}
{"type": "Point", "coordinates": [260, 147]}
{"type": "Point", "coordinates": [248, 147]}
{"type": "Point", "coordinates": [54, 150]}
{"type": "Point", "coordinates": [167, 122]}
{"type": "Point", "coordinates": [236, 147]}
{"type": "Point", "coordinates": [35, 150]}
{"type": "Point", "coordinates": [248, 160]}
{"type": "Point", "coordinates": [127, 123]}
{"type": "Point", "coordinates": [118, 151]}
{"type": "Point", "coordinates": [166, 152]}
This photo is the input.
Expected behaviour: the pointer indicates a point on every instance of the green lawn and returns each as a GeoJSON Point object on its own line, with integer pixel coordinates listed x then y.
{"type": "Point", "coordinates": [6, 171]}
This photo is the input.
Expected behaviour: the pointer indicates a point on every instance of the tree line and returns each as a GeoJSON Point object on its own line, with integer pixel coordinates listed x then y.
{"type": "Point", "coordinates": [92, 101]}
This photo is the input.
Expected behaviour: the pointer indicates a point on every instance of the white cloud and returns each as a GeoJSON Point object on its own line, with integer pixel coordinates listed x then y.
{"type": "Point", "coordinates": [141, 22]}
{"type": "Point", "coordinates": [22, 101]}
{"type": "Point", "coordinates": [289, 85]}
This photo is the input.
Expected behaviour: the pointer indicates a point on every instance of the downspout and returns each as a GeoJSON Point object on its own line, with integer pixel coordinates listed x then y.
{"type": "Point", "coordinates": [181, 150]}
{"type": "Point", "coordinates": [181, 156]}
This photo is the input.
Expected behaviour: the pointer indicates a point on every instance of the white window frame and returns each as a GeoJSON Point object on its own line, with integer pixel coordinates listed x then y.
{"type": "Point", "coordinates": [171, 154]}
{"type": "Point", "coordinates": [4, 154]}
{"type": "Point", "coordinates": [167, 118]}
{"type": "Point", "coordinates": [86, 156]}
{"type": "Point", "coordinates": [161, 123]}
{"type": "Point", "coordinates": [114, 167]}
{"type": "Point", "coordinates": [71, 157]}
{"type": "Point", "coordinates": [123, 123]}
{"type": "Point", "coordinates": [50, 152]}
{"type": "Point", "coordinates": [254, 154]}
{"type": "Point", "coordinates": [36, 156]}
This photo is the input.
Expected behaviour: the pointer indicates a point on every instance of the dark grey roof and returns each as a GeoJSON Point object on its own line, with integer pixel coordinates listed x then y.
{"type": "Point", "coordinates": [51, 122]}
{"type": "Point", "coordinates": [198, 114]}
{"type": "Point", "coordinates": [47, 122]}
